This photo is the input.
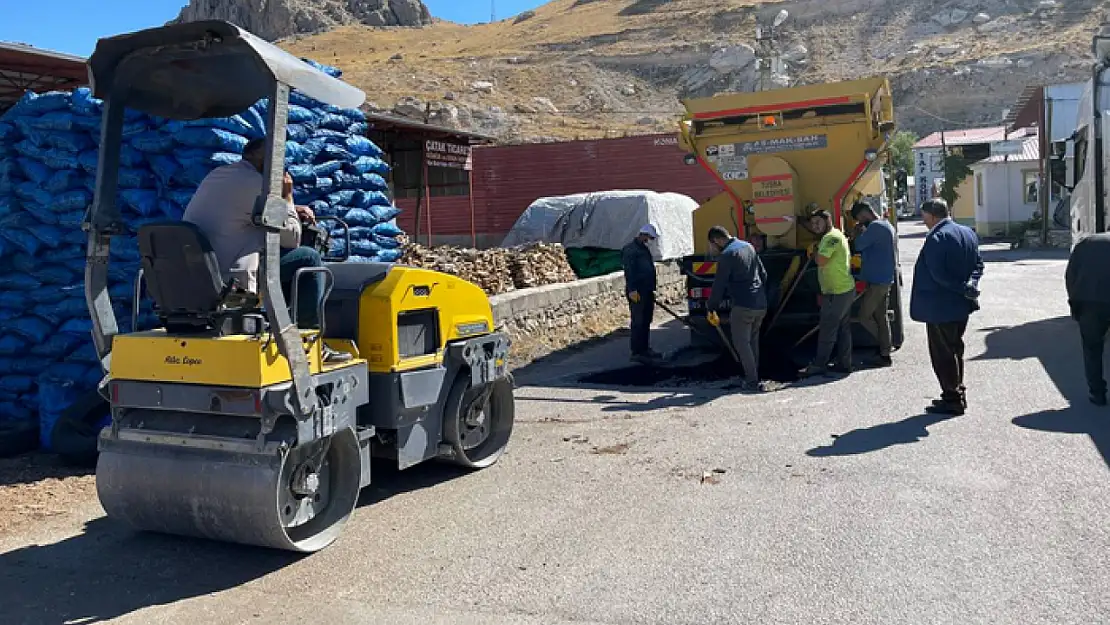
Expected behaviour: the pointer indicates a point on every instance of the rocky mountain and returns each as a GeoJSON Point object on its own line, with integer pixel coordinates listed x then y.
{"type": "Point", "coordinates": [275, 19]}
{"type": "Point", "coordinates": [587, 68]}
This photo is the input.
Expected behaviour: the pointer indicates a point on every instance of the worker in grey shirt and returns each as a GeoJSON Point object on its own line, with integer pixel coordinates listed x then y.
{"type": "Point", "coordinates": [874, 241]}
{"type": "Point", "coordinates": [741, 278]}
{"type": "Point", "coordinates": [222, 208]}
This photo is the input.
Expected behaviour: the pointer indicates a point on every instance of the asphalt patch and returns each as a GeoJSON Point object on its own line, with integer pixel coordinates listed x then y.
{"type": "Point", "coordinates": [777, 364]}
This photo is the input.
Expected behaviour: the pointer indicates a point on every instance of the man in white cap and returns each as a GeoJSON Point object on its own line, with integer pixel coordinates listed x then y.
{"type": "Point", "coordinates": [639, 280]}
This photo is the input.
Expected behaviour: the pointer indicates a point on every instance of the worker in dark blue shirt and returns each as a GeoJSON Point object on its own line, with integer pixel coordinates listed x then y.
{"type": "Point", "coordinates": [639, 282]}
{"type": "Point", "coordinates": [875, 244]}
{"type": "Point", "coordinates": [741, 279]}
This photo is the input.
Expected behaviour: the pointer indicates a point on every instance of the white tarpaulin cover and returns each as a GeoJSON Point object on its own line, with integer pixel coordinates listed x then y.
{"type": "Point", "coordinates": [609, 220]}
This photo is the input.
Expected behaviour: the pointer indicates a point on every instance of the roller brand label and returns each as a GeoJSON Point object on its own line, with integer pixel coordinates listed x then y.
{"type": "Point", "coordinates": [185, 361]}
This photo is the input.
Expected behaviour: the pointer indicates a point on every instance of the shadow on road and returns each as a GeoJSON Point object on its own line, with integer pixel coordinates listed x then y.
{"type": "Point", "coordinates": [866, 440]}
{"type": "Point", "coordinates": [108, 571]}
{"type": "Point", "coordinates": [1055, 343]}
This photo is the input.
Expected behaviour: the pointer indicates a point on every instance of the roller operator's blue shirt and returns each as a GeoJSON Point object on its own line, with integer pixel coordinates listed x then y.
{"type": "Point", "coordinates": [876, 249]}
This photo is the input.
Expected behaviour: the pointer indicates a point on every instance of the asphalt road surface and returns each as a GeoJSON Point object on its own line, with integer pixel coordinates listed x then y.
{"type": "Point", "coordinates": [839, 502]}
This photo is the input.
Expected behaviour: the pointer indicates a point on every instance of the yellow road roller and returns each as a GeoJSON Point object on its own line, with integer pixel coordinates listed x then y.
{"type": "Point", "coordinates": [227, 421]}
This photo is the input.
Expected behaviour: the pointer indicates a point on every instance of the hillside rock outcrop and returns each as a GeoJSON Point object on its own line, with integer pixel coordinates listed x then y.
{"type": "Point", "coordinates": [276, 19]}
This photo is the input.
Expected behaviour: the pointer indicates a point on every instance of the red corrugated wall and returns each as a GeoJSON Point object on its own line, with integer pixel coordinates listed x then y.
{"type": "Point", "coordinates": [507, 179]}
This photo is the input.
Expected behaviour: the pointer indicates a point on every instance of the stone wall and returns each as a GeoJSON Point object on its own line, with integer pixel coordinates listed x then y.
{"type": "Point", "coordinates": [548, 318]}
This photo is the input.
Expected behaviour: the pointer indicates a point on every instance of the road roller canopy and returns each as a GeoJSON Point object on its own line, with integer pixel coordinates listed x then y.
{"type": "Point", "coordinates": [203, 69]}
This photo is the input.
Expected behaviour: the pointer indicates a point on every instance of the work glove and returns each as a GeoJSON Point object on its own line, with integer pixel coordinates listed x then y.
{"type": "Point", "coordinates": [811, 251]}
{"type": "Point", "coordinates": [713, 319]}
{"type": "Point", "coordinates": [634, 297]}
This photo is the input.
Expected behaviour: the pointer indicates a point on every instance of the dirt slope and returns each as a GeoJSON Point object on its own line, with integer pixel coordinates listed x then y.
{"type": "Point", "coordinates": [579, 68]}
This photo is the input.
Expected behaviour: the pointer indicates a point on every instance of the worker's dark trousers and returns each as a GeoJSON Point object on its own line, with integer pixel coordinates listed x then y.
{"type": "Point", "coordinates": [311, 287]}
{"type": "Point", "coordinates": [835, 330]}
{"type": "Point", "coordinates": [745, 324]}
{"type": "Point", "coordinates": [1094, 321]}
{"type": "Point", "coordinates": [872, 314]}
{"type": "Point", "coordinates": [946, 350]}
{"type": "Point", "coordinates": [642, 314]}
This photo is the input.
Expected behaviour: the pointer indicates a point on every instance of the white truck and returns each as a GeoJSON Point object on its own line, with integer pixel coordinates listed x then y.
{"type": "Point", "coordinates": [1086, 175]}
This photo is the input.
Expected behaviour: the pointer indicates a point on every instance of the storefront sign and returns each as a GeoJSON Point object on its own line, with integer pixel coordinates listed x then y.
{"type": "Point", "coordinates": [448, 155]}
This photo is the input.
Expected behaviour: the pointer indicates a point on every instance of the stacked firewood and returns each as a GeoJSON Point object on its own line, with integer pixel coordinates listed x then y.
{"type": "Point", "coordinates": [537, 264]}
{"type": "Point", "coordinates": [495, 270]}
{"type": "Point", "coordinates": [489, 269]}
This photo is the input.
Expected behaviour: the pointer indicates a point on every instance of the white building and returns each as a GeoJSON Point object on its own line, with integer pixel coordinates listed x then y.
{"type": "Point", "coordinates": [1006, 188]}
{"type": "Point", "coordinates": [928, 161]}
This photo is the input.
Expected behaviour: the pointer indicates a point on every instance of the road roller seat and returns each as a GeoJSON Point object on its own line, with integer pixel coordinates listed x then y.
{"type": "Point", "coordinates": [182, 275]}
{"type": "Point", "coordinates": [341, 310]}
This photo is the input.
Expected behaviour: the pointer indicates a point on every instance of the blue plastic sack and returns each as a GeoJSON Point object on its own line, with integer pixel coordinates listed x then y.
{"type": "Point", "coordinates": [299, 114]}
{"type": "Point", "coordinates": [14, 300]}
{"type": "Point", "coordinates": [302, 174]}
{"type": "Point", "coordinates": [66, 179]}
{"type": "Point", "coordinates": [77, 326]}
{"type": "Point", "coordinates": [85, 352]}
{"type": "Point", "coordinates": [34, 170]}
{"type": "Point", "coordinates": [236, 124]}
{"type": "Point", "coordinates": [388, 256]}
{"type": "Point", "coordinates": [181, 197]}
{"type": "Point", "coordinates": [370, 165]}
{"type": "Point", "coordinates": [83, 103]}
{"type": "Point", "coordinates": [11, 345]}
{"type": "Point", "coordinates": [384, 213]}
{"type": "Point", "coordinates": [37, 104]}
{"type": "Point", "coordinates": [31, 328]}
{"type": "Point", "coordinates": [384, 242]}
{"type": "Point", "coordinates": [300, 99]}
{"type": "Point", "coordinates": [359, 217]}
{"type": "Point", "coordinates": [133, 178]}
{"type": "Point", "coordinates": [152, 142]}
{"type": "Point", "coordinates": [358, 128]}
{"type": "Point", "coordinates": [67, 308]}
{"type": "Point", "coordinates": [214, 138]}
{"type": "Point", "coordinates": [88, 161]}
{"type": "Point", "coordinates": [364, 247]}
{"type": "Point", "coordinates": [18, 281]}
{"type": "Point", "coordinates": [294, 153]}
{"type": "Point", "coordinates": [17, 384]}
{"type": "Point", "coordinates": [13, 411]}
{"type": "Point", "coordinates": [142, 201]}
{"type": "Point", "coordinates": [387, 229]}
{"type": "Point", "coordinates": [7, 131]}
{"type": "Point", "coordinates": [22, 364]}
{"type": "Point", "coordinates": [327, 168]}
{"type": "Point", "coordinates": [171, 210]}
{"type": "Point", "coordinates": [361, 146]}
{"type": "Point", "coordinates": [60, 386]}
{"type": "Point", "coordinates": [55, 274]}
{"type": "Point", "coordinates": [32, 194]}
{"type": "Point", "coordinates": [164, 167]}
{"type": "Point", "coordinates": [193, 175]}
{"type": "Point", "coordinates": [359, 233]}
{"type": "Point", "coordinates": [50, 236]}
{"type": "Point", "coordinates": [51, 157]}
{"type": "Point", "coordinates": [58, 345]}
{"type": "Point", "coordinates": [331, 121]}
{"type": "Point", "coordinates": [60, 139]}
{"type": "Point", "coordinates": [257, 123]}
{"type": "Point", "coordinates": [70, 201]}
{"type": "Point", "coordinates": [323, 209]}
{"type": "Point", "coordinates": [298, 133]}
{"type": "Point", "coordinates": [52, 121]}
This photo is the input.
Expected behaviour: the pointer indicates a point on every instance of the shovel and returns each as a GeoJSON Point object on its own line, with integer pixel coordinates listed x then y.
{"type": "Point", "coordinates": [686, 322]}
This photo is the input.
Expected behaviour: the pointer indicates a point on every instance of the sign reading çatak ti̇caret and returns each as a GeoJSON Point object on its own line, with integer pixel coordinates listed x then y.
{"type": "Point", "coordinates": [448, 155]}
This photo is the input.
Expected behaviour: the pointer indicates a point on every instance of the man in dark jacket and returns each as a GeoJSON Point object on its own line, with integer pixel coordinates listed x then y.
{"type": "Point", "coordinates": [1088, 282]}
{"type": "Point", "coordinates": [639, 282]}
{"type": "Point", "coordinates": [945, 293]}
{"type": "Point", "coordinates": [741, 279]}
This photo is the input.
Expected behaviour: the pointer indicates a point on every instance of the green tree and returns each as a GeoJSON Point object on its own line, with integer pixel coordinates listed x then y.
{"type": "Point", "coordinates": [901, 150]}
{"type": "Point", "coordinates": [956, 170]}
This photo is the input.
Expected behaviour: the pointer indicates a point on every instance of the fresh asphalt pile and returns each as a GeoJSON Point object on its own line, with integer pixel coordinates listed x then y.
{"type": "Point", "coordinates": [48, 163]}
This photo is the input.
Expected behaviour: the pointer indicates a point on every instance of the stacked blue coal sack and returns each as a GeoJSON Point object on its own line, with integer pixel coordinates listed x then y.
{"type": "Point", "coordinates": [48, 163]}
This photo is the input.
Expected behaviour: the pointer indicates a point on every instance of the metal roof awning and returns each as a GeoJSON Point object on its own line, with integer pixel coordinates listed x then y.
{"type": "Point", "coordinates": [25, 68]}
{"type": "Point", "coordinates": [391, 123]}
{"type": "Point", "coordinates": [1026, 110]}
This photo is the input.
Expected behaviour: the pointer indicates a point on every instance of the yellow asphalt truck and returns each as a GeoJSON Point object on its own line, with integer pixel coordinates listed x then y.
{"type": "Point", "coordinates": [778, 156]}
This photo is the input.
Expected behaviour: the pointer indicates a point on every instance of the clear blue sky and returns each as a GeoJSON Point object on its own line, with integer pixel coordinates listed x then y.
{"type": "Point", "coordinates": [74, 25]}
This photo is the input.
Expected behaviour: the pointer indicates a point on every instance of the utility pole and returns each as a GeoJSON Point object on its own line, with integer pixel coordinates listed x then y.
{"type": "Point", "coordinates": [492, 11]}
